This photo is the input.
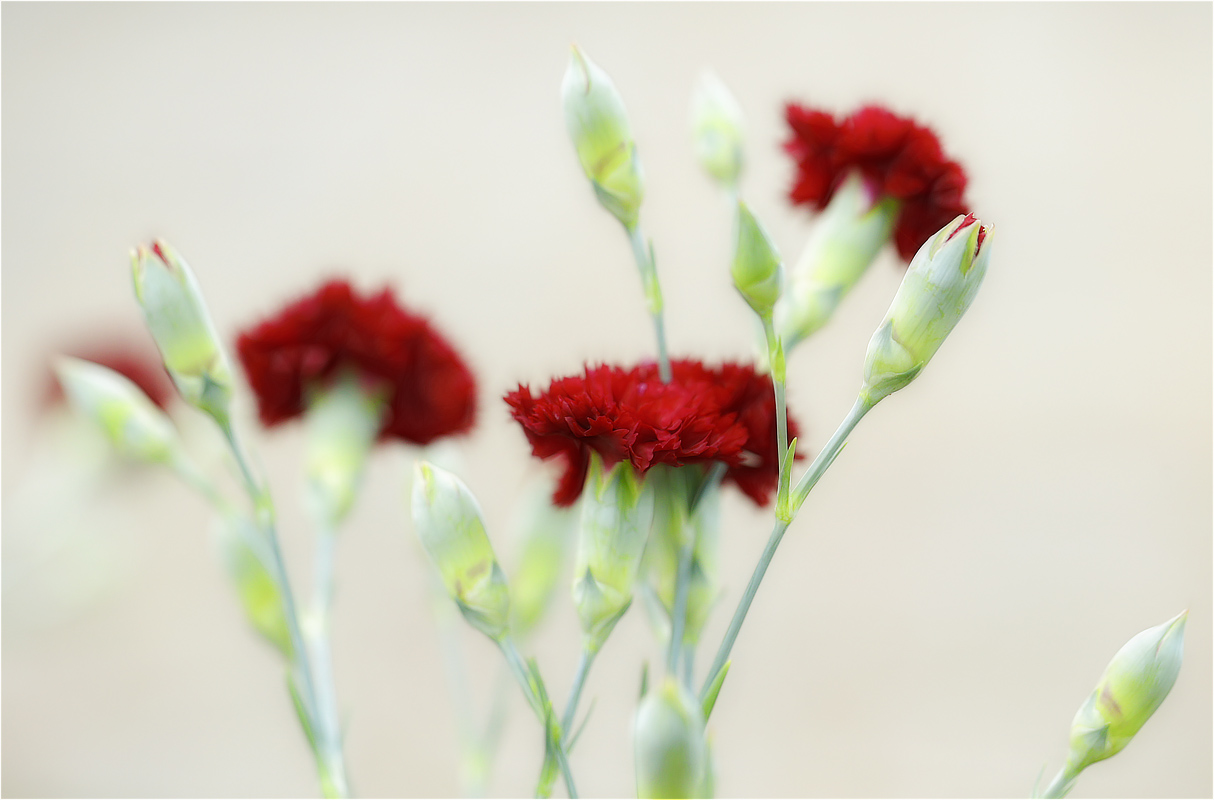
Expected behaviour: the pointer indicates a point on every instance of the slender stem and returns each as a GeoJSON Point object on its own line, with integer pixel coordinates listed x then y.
{"type": "Point", "coordinates": [193, 477]}
{"type": "Point", "coordinates": [319, 639]}
{"type": "Point", "coordinates": [1061, 783]}
{"type": "Point", "coordinates": [519, 670]}
{"type": "Point", "coordinates": [575, 691]}
{"type": "Point", "coordinates": [264, 509]}
{"type": "Point", "coordinates": [778, 383]}
{"type": "Point", "coordinates": [653, 295]}
{"type": "Point", "coordinates": [689, 657]}
{"type": "Point", "coordinates": [807, 482]}
{"type": "Point", "coordinates": [678, 615]}
{"type": "Point", "coordinates": [739, 615]}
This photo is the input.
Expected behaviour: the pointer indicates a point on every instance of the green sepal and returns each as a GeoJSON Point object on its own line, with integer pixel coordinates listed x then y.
{"type": "Point", "coordinates": [301, 711]}
{"type": "Point", "coordinates": [714, 688]}
{"type": "Point", "coordinates": [784, 511]}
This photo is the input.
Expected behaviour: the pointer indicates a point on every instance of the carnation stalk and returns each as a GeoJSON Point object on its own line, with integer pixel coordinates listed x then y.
{"type": "Point", "coordinates": [519, 670]}
{"type": "Point", "coordinates": [330, 764]}
{"type": "Point", "coordinates": [653, 294]}
{"type": "Point", "coordinates": [797, 498]}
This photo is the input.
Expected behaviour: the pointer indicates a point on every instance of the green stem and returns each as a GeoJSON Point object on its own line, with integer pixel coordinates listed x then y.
{"type": "Point", "coordinates": [1061, 783]}
{"type": "Point", "coordinates": [519, 670]}
{"type": "Point", "coordinates": [653, 295]}
{"type": "Point", "coordinates": [776, 360]}
{"type": "Point", "coordinates": [689, 657]}
{"type": "Point", "coordinates": [575, 691]}
{"type": "Point", "coordinates": [319, 639]}
{"type": "Point", "coordinates": [678, 615]}
{"type": "Point", "coordinates": [807, 482]}
{"type": "Point", "coordinates": [264, 510]}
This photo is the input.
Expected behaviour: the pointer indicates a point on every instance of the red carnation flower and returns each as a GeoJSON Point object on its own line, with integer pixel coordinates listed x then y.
{"type": "Point", "coordinates": [897, 157]}
{"type": "Point", "coordinates": [140, 365]}
{"type": "Point", "coordinates": [430, 391]}
{"type": "Point", "coordinates": [726, 414]}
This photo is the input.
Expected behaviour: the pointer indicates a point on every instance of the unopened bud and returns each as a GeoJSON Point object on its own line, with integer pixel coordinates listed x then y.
{"type": "Point", "coordinates": [547, 532]}
{"type": "Point", "coordinates": [449, 523]}
{"type": "Point", "coordinates": [716, 129]}
{"type": "Point", "coordinates": [756, 264]}
{"type": "Point", "coordinates": [178, 320]}
{"type": "Point", "coordinates": [343, 420]}
{"type": "Point", "coordinates": [599, 128]}
{"type": "Point", "coordinates": [1133, 686]}
{"type": "Point", "coordinates": [846, 240]}
{"type": "Point", "coordinates": [939, 286]}
{"type": "Point", "coordinates": [131, 421]}
{"type": "Point", "coordinates": [617, 513]}
{"type": "Point", "coordinates": [671, 753]}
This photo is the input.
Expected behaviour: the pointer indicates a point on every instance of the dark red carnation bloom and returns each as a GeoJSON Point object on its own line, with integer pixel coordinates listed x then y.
{"type": "Point", "coordinates": [431, 392]}
{"type": "Point", "coordinates": [725, 414]}
{"type": "Point", "coordinates": [897, 157]}
{"type": "Point", "coordinates": [140, 365]}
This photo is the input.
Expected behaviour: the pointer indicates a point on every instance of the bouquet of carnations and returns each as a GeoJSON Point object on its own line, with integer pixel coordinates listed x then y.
{"type": "Point", "coordinates": [644, 450]}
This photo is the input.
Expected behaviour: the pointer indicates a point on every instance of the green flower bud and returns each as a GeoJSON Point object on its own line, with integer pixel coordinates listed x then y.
{"type": "Point", "coordinates": [671, 752]}
{"type": "Point", "coordinates": [448, 520]}
{"type": "Point", "coordinates": [599, 128]}
{"type": "Point", "coordinates": [547, 533]}
{"type": "Point", "coordinates": [617, 513]}
{"type": "Point", "coordinates": [938, 287]}
{"type": "Point", "coordinates": [673, 525]}
{"type": "Point", "coordinates": [756, 264]}
{"type": "Point", "coordinates": [343, 420]}
{"type": "Point", "coordinates": [716, 129]}
{"type": "Point", "coordinates": [243, 554]}
{"type": "Point", "coordinates": [131, 421]}
{"type": "Point", "coordinates": [177, 317]}
{"type": "Point", "coordinates": [1133, 686]}
{"type": "Point", "coordinates": [848, 236]}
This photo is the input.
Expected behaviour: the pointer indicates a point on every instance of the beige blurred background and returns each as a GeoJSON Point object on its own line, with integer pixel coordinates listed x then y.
{"type": "Point", "coordinates": [960, 578]}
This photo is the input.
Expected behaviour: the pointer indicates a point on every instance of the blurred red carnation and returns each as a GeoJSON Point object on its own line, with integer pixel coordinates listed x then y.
{"type": "Point", "coordinates": [139, 364]}
{"type": "Point", "coordinates": [897, 157]}
{"type": "Point", "coordinates": [725, 414]}
{"type": "Point", "coordinates": [430, 391]}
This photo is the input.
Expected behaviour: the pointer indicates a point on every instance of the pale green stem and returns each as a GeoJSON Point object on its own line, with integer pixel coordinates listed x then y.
{"type": "Point", "coordinates": [319, 639]}
{"type": "Point", "coordinates": [678, 615]}
{"type": "Point", "coordinates": [689, 657]}
{"type": "Point", "coordinates": [193, 477]}
{"type": "Point", "coordinates": [575, 691]}
{"type": "Point", "coordinates": [264, 509]}
{"type": "Point", "coordinates": [519, 669]}
{"type": "Point", "coordinates": [1061, 783]}
{"type": "Point", "coordinates": [457, 685]}
{"type": "Point", "coordinates": [653, 295]}
{"type": "Point", "coordinates": [807, 482]}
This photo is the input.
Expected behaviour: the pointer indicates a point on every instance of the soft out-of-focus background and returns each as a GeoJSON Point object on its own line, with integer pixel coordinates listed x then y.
{"type": "Point", "coordinates": [947, 599]}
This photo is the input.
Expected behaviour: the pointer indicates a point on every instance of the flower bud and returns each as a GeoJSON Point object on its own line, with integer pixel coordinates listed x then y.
{"type": "Point", "coordinates": [844, 244]}
{"type": "Point", "coordinates": [673, 525]}
{"type": "Point", "coordinates": [448, 521]}
{"type": "Point", "coordinates": [177, 317]}
{"type": "Point", "coordinates": [617, 513]}
{"type": "Point", "coordinates": [716, 129]}
{"type": "Point", "coordinates": [756, 264]}
{"type": "Point", "coordinates": [1134, 684]}
{"type": "Point", "coordinates": [260, 596]}
{"type": "Point", "coordinates": [546, 531]}
{"type": "Point", "coordinates": [599, 128]}
{"type": "Point", "coordinates": [671, 753]}
{"type": "Point", "coordinates": [131, 421]}
{"type": "Point", "coordinates": [343, 420]}
{"type": "Point", "coordinates": [938, 287]}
